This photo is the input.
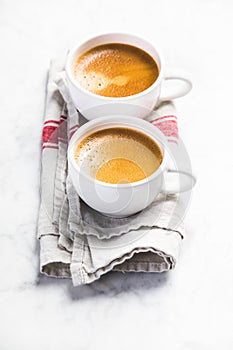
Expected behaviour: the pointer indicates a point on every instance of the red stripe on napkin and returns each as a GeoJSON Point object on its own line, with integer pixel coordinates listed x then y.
{"type": "Point", "coordinates": [52, 121]}
{"type": "Point", "coordinates": [63, 117]}
{"type": "Point", "coordinates": [164, 117]}
{"type": "Point", "coordinates": [168, 128]}
{"type": "Point", "coordinates": [54, 131]}
{"type": "Point", "coordinates": [73, 129]}
{"type": "Point", "coordinates": [49, 134]}
{"type": "Point", "coordinates": [45, 146]}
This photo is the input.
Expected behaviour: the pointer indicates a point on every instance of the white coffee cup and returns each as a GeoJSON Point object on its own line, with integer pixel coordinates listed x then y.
{"type": "Point", "coordinates": [119, 200]}
{"type": "Point", "coordinates": [138, 105]}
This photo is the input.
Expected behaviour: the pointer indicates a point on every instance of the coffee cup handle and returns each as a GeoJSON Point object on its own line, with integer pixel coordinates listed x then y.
{"type": "Point", "coordinates": [177, 181]}
{"type": "Point", "coordinates": [171, 92]}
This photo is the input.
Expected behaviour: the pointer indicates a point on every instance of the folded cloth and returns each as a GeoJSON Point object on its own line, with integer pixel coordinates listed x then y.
{"type": "Point", "coordinates": [77, 241]}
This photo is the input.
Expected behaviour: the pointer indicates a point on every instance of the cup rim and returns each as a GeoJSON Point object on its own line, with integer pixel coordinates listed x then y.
{"type": "Point", "coordinates": [108, 98]}
{"type": "Point", "coordinates": [115, 119]}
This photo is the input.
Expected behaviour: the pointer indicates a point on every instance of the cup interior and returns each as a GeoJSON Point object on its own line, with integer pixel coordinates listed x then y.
{"type": "Point", "coordinates": [123, 149]}
{"type": "Point", "coordinates": [112, 38]}
{"type": "Point", "coordinates": [96, 156]}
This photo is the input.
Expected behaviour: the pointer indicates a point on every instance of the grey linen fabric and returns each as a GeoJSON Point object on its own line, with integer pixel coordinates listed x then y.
{"type": "Point", "coordinates": [75, 240]}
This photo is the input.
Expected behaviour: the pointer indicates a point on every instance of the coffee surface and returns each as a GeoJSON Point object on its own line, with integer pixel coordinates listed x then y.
{"type": "Point", "coordinates": [120, 170]}
{"type": "Point", "coordinates": [118, 155]}
{"type": "Point", "coordinates": [115, 70]}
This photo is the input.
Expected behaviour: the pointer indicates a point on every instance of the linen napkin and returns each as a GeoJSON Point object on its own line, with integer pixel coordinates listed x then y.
{"type": "Point", "coordinates": [75, 240]}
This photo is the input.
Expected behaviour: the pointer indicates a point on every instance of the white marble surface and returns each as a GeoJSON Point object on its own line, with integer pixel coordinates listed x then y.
{"type": "Point", "coordinates": [187, 309]}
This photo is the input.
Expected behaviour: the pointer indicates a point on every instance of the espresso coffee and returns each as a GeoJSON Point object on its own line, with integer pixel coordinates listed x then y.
{"type": "Point", "coordinates": [115, 70]}
{"type": "Point", "coordinates": [118, 155]}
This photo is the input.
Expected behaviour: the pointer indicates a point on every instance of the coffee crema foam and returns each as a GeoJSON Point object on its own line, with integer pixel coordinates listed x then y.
{"type": "Point", "coordinates": [115, 70]}
{"type": "Point", "coordinates": [118, 155]}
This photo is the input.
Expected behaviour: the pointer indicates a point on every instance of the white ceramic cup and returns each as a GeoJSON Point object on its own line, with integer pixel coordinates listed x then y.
{"type": "Point", "coordinates": [138, 105]}
{"type": "Point", "coordinates": [120, 200]}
